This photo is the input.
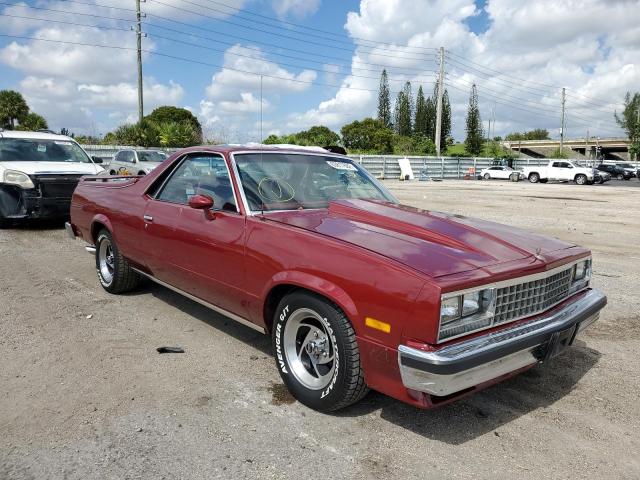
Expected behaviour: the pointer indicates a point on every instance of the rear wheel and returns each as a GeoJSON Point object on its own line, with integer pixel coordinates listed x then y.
{"type": "Point", "coordinates": [581, 179]}
{"type": "Point", "coordinates": [534, 177]}
{"type": "Point", "coordinates": [112, 172]}
{"type": "Point", "coordinates": [316, 352]}
{"type": "Point", "coordinates": [487, 176]}
{"type": "Point", "coordinates": [114, 272]}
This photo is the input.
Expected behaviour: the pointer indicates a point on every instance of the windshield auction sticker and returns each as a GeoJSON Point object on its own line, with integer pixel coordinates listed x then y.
{"type": "Point", "coordinates": [42, 148]}
{"type": "Point", "coordinates": [342, 166]}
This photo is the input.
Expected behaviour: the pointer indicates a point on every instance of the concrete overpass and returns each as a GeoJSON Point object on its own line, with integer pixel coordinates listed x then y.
{"type": "Point", "coordinates": [581, 148]}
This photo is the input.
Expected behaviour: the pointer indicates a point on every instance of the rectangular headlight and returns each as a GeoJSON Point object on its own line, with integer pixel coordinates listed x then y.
{"type": "Point", "coordinates": [581, 275]}
{"type": "Point", "coordinates": [461, 314]}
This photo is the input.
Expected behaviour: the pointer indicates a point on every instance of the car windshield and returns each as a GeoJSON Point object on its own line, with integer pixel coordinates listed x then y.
{"type": "Point", "coordinates": [37, 150]}
{"type": "Point", "coordinates": [152, 156]}
{"type": "Point", "coordinates": [284, 181]}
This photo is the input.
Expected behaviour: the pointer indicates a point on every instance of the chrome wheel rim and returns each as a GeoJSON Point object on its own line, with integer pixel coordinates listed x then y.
{"type": "Point", "coordinates": [309, 347]}
{"type": "Point", "coordinates": [106, 261]}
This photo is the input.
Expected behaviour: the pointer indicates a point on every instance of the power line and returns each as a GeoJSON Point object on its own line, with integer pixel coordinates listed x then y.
{"type": "Point", "coordinates": [67, 12]}
{"type": "Point", "coordinates": [521, 79]}
{"type": "Point", "coordinates": [188, 60]}
{"type": "Point", "coordinates": [307, 27]}
{"type": "Point", "coordinates": [182, 32]}
{"type": "Point", "coordinates": [280, 35]}
{"type": "Point", "coordinates": [153, 35]}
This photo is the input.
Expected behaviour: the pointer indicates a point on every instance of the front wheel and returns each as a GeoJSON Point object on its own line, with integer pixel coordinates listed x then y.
{"type": "Point", "coordinates": [620, 176]}
{"type": "Point", "coordinates": [316, 352]}
{"type": "Point", "coordinates": [581, 179]}
{"type": "Point", "coordinates": [114, 272]}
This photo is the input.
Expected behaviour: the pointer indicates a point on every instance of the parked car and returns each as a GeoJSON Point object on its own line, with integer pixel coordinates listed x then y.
{"type": "Point", "coordinates": [600, 177]}
{"type": "Point", "coordinates": [615, 171]}
{"type": "Point", "coordinates": [559, 171]}
{"type": "Point", "coordinates": [38, 173]}
{"type": "Point", "coordinates": [356, 290]}
{"type": "Point", "coordinates": [501, 172]}
{"type": "Point", "coordinates": [136, 162]}
{"type": "Point", "coordinates": [629, 168]}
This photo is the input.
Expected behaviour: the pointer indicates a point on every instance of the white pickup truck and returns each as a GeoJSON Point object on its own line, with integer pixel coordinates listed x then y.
{"type": "Point", "coordinates": [560, 171]}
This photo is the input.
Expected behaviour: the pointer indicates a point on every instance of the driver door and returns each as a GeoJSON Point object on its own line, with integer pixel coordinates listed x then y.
{"type": "Point", "coordinates": [201, 253]}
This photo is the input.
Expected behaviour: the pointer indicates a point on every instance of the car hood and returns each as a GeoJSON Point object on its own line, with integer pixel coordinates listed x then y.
{"type": "Point", "coordinates": [37, 168]}
{"type": "Point", "coordinates": [433, 243]}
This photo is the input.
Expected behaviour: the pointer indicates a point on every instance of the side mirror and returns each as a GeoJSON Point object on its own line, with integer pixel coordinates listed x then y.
{"type": "Point", "coordinates": [96, 159]}
{"type": "Point", "coordinates": [201, 202]}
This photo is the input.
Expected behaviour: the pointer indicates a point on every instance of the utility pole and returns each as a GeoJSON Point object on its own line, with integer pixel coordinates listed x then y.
{"type": "Point", "coordinates": [562, 122]}
{"type": "Point", "coordinates": [439, 103]}
{"type": "Point", "coordinates": [139, 38]}
{"type": "Point", "coordinates": [493, 120]}
{"type": "Point", "coordinates": [586, 145]}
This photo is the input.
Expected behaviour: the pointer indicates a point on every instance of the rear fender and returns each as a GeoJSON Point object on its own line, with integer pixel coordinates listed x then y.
{"type": "Point", "coordinates": [96, 221]}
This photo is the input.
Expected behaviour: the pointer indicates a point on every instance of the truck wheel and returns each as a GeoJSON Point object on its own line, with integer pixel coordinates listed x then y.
{"type": "Point", "coordinates": [534, 177]}
{"type": "Point", "coordinates": [112, 172]}
{"type": "Point", "coordinates": [581, 179]}
{"type": "Point", "coordinates": [487, 176]}
{"type": "Point", "coordinates": [114, 272]}
{"type": "Point", "coordinates": [316, 352]}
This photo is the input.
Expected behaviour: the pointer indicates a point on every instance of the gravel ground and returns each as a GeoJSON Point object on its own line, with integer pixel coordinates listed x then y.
{"type": "Point", "coordinates": [85, 395]}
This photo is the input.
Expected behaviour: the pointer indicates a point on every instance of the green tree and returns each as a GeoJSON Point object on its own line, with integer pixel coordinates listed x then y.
{"type": "Point", "coordinates": [318, 135]}
{"type": "Point", "coordinates": [272, 140]}
{"type": "Point", "coordinates": [177, 134]}
{"type": "Point", "coordinates": [473, 142]}
{"type": "Point", "coordinates": [421, 124]}
{"type": "Point", "coordinates": [535, 134]}
{"type": "Point", "coordinates": [430, 114]}
{"type": "Point", "coordinates": [369, 135]}
{"type": "Point", "coordinates": [384, 101]}
{"type": "Point", "coordinates": [629, 120]}
{"type": "Point", "coordinates": [404, 111]}
{"type": "Point", "coordinates": [33, 122]}
{"type": "Point", "coordinates": [445, 132]}
{"type": "Point", "coordinates": [143, 134]}
{"type": "Point", "coordinates": [175, 114]}
{"type": "Point", "coordinates": [13, 108]}
{"type": "Point", "coordinates": [416, 144]}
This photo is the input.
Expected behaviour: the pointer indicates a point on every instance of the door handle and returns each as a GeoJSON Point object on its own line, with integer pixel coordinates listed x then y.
{"type": "Point", "coordinates": [148, 218]}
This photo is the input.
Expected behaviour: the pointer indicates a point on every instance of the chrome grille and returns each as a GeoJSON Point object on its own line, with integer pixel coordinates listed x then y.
{"type": "Point", "coordinates": [529, 298]}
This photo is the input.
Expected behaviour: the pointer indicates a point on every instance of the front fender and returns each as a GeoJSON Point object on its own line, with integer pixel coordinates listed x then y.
{"type": "Point", "coordinates": [316, 284]}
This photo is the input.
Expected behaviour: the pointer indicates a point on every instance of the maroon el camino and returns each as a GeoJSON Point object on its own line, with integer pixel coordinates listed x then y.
{"type": "Point", "coordinates": [356, 290]}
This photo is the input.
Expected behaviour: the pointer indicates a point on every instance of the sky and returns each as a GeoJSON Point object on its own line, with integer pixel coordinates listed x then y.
{"type": "Point", "coordinates": [249, 68]}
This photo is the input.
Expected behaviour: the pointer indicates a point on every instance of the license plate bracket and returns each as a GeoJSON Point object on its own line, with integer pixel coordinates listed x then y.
{"type": "Point", "coordinates": [557, 343]}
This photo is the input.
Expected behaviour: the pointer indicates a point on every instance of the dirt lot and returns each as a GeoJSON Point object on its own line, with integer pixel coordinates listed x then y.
{"type": "Point", "coordinates": [85, 395]}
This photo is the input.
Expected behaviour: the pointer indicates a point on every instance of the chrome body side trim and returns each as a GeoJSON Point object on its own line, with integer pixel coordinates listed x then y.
{"type": "Point", "coordinates": [468, 363]}
{"type": "Point", "coordinates": [213, 307]}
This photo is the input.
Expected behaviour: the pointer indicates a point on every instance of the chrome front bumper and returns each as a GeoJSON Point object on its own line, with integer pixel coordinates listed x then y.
{"type": "Point", "coordinates": [472, 362]}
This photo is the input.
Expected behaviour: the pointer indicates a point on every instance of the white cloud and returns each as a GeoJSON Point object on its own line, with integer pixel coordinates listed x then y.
{"type": "Point", "coordinates": [233, 79]}
{"type": "Point", "coordinates": [529, 51]}
{"type": "Point", "coordinates": [295, 8]}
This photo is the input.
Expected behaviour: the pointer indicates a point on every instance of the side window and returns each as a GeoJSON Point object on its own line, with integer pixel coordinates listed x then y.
{"type": "Point", "coordinates": [200, 174]}
{"type": "Point", "coordinates": [557, 165]}
{"type": "Point", "coordinates": [128, 157]}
